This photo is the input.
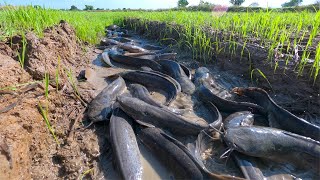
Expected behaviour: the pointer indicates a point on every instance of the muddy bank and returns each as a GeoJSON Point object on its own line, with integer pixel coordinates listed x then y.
{"type": "Point", "coordinates": [27, 148]}
{"type": "Point", "coordinates": [298, 94]}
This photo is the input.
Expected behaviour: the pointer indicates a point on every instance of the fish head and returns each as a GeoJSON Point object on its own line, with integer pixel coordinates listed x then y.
{"type": "Point", "coordinates": [236, 140]}
{"type": "Point", "coordinates": [259, 95]}
{"type": "Point", "coordinates": [202, 76]}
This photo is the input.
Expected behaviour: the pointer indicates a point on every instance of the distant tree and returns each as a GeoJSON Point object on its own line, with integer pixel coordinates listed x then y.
{"type": "Point", "coordinates": [74, 8]}
{"type": "Point", "coordinates": [291, 3]}
{"type": "Point", "coordinates": [88, 8]}
{"type": "Point", "coordinates": [37, 7]}
{"type": "Point", "coordinates": [205, 3]}
{"type": "Point", "coordinates": [182, 3]}
{"type": "Point", "coordinates": [236, 2]}
{"type": "Point", "coordinates": [254, 4]}
{"type": "Point", "coordinates": [99, 9]}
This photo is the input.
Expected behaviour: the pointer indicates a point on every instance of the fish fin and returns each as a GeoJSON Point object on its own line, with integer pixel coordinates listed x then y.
{"type": "Point", "coordinates": [145, 124]}
{"type": "Point", "coordinates": [305, 138]}
{"type": "Point", "coordinates": [273, 121]}
{"type": "Point", "coordinates": [195, 159]}
{"type": "Point", "coordinates": [86, 127]}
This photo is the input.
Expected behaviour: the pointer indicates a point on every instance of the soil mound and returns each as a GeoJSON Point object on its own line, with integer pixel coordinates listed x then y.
{"type": "Point", "coordinates": [27, 148]}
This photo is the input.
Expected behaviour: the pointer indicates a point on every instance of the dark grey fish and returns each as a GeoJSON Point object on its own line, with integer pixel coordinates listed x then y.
{"type": "Point", "coordinates": [279, 116]}
{"type": "Point", "coordinates": [124, 146]}
{"type": "Point", "coordinates": [242, 118]}
{"type": "Point", "coordinates": [164, 141]}
{"type": "Point", "coordinates": [209, 91]}
{"type": "Point", "coordinates": [151, 47]}
{"type": "Point", "coordinates": [134, 61]}
{"type": "Point", "coordinates": [174, 70]}
{"type": "Point", "coordinates": [100, 107]}
{"type": "Point", "coordinates": [131, 48]}
{"type": "Point", "coordinates": [144, 68]}
{"type": "Point", "coordinates": [107, 41]}
{"type": "Point", "coordinates": [186, 70]}
{"type": "Point", "coordinates": [159, 56]}
{"type": "Point", "coordinates": [112, 27]}
{"type": "Point", "coordinates": [206, 93]}
{"type": "Point", "coordinates": [105, 57]}
{"type": "Point", "coordinates": [142, 93]}
{"type": "Point", "coordinates": [247, 164]}
{"type": "Point", "coordinates": [274, 144]}
{"type": "Point", "coordinates": [149, 115]}
{"type": "Point", "coordinates": [202, 75]}
{"type": "Point", "coordinates": [123, 39]}
{"type": "Point", "coordinates": [153, 81]}
{"type": "Point", "coordinates": [169, 154]}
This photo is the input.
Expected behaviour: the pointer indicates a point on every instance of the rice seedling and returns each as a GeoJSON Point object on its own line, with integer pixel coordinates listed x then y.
{"type": "Point", "coordinates": [72, 82]}
{"type": "Point", "coordinates": [46, 85]}
{"type": "Point", "coordinates": [261, 73]}
{"type": "Point", "coordinates": [85, 173]}
{"type": "Point", "coordinates": [44, 113]}
{"type": "Point", "coordinates": [21, 56]}
{"type": "Point", "coordinates": [57, 76]}
{"type": "Point", "coordinates": [17, 86]}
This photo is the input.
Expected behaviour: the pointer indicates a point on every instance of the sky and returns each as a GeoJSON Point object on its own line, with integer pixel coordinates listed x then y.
{"type": "Point", "coordinates": [136, 4]}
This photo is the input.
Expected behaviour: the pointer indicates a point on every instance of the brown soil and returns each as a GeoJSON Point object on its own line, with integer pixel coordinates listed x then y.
{"type": "Point", "coordinates": [27, 148]}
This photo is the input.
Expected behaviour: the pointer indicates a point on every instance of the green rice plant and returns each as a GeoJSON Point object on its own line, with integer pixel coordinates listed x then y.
{"type": "Point", "coordinates": [72, 82]}
{"type": "Point", "coordinates": [46, 85]}
{"type": "Point", "coordinates": [261, 73]}
{"type": "Point", "coordinates": [57, 74]}
{"type": "Point", "coordinates": [21, 56]}
{"type": "Point", "coordinates": [85, 173]}
{"type": "Point", "coordinates": [44, 113]}
{"type": "Point", "coordinates": [316, 65]}
{"type": "Point", "coordinates": [16, 87]}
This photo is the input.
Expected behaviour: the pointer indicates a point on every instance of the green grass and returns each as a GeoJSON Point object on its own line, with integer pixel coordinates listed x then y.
{"type": "Point", "coordinates": [268, 29]}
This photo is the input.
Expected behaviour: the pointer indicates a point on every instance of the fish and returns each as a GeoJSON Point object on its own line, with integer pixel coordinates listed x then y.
{"type": "Point", "coordinates": [100, 108]}
{"type": "Point", "coordinates": [186, 70]}
{"type": "Point", "coordinates": [134, 61]}
{"type": "Point", "coordinates": [169, 154]}
{"type": "Point", "coordinates": [274, 144]}
{"type": "Point", "coordinates": [124, 146]}
{"type": "Point", "coordinates": [241, 118]}
{"type": "Point", "coordinates": [171, 148]}
{"type": "Point", "coordinates": [154, 81]}
{"type": "Point", "coordinates": [246, 163]}
{"type": "Point", "coordinates": [142, 93]}
{"type": "Point", "coordinates": [151, 116]}
{"type": "Point", "coordinates": [279, 117]}
{"type": "Point", "coordinates": [131, 48]}
{"type": "Point", "coordinates": [174, 70]}
{"type": "Point", "coordinates": [206, 93]}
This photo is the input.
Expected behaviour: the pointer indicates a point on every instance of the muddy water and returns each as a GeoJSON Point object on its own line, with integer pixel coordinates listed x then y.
{"type": "Point", "coordinates": [193, 110]}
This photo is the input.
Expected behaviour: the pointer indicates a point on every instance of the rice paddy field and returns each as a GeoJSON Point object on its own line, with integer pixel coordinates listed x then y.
{"type": "Point", "coordinates": [293, 36]}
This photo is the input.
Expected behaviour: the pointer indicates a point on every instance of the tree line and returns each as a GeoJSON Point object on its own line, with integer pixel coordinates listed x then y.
{"type": "Point", "coordinates": [204, 5]}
